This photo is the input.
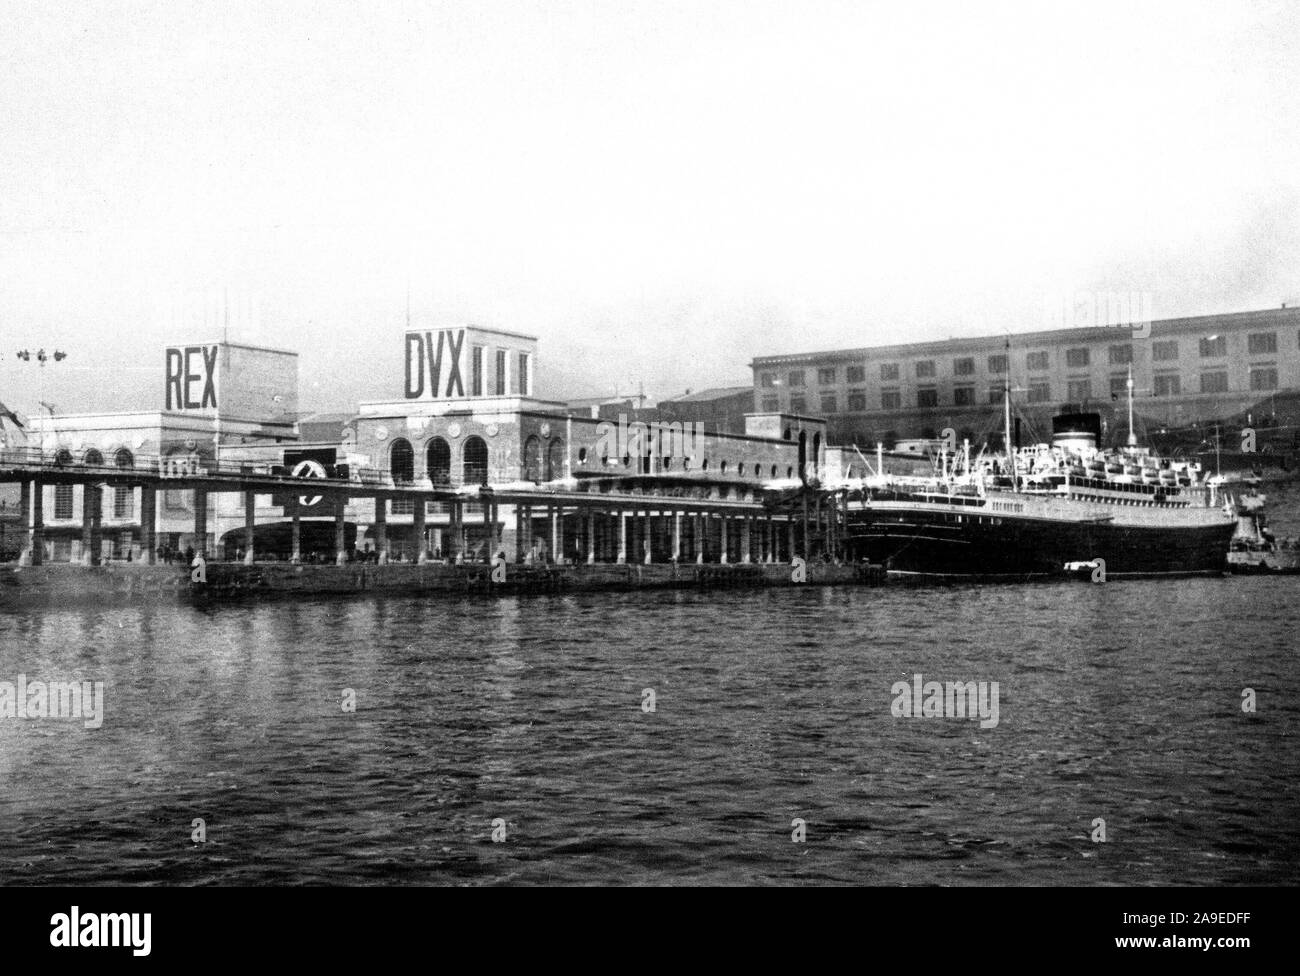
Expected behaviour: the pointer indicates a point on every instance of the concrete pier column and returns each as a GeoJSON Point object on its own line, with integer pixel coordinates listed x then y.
{"type": "Point", "coordinates": [591, 536]}
{"type": "Point", "coordinates": [790, 525]}
{"type": "Point", "coordinates": [201, 521]}
{"type": "Point", "coordinates": [456, 532]}
{"type": "Point", "coordinates": [699, 538]}
{"type": "Point", "coordinates": [677, 536]}
{"type": "Point", "coordinates": [340, 537]}
{"type": "Point", "coordinates": [418, 526]}
{"type": "Point", "coordinates": [250, 523]}
{"type": "Point", "coordinates": [519, 533]}
{"type": "Point", "coordinates": [723, 555]}
{"type": "Point", "coordinates": [557, 533]}
{"type": "Point", "coordinates": [747, 532]}
{"type": "Point", "coordinates": [34, 525]}
{"type": "Point", "coordinates": [295, 539]}
{"type": "Point", "coordinates": [148, 524]}
{"type": "Point", "coordinates": [88, 492]}
{"type": "Point", "coordinates": [490, 527]}
{"type": "Point", "coordinates": [381, 529]}
{"type": "Point", "coordinates": [622, 538]}
{"type": "Point", "coordinates": [649, 524]}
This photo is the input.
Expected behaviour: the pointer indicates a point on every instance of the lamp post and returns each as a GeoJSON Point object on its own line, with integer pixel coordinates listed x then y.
{"type": "Point", "coordinates": [41, 357]}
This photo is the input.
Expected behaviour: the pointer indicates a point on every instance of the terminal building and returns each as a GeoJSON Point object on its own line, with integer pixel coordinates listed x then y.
{"type": "Point", "coordinates": [1188, 375]}
{"type": "Point", "coordinates": [458, 460]}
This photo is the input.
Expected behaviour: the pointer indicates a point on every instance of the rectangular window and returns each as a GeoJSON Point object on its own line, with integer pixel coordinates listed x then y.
{"type": "Point", "coordinates": [890, 399]}
{"type": "Point", "coordinates": [856, 374]}
{"type": "Point", "coordinates": [889, 371]}
{"type": "Point", "coordinates": [826, 376]}
{"type": "Point", "coordinates": [1214, 382]}
{"type": "Point", "coordinates": [963, 396]}
{"type": "Point", "coordinates": [1040, 392]}
{"type": "Point", "coordinates": [1077, 391]}
{"type": "Point", "coordinates": [123, 503]}
{"type": "Point", "coordinates": [995, 394]}
{"type": "Point", "coordinates": [771, 404]}
{"type": "Point", "coordinates": [828, 403]}
{"type": "Point", "coordinates": [1120, 355]}
{"type": "Point", "coordinates": [795, 378]}
{"type": "Point", "coordinates": [1163, 352]}
{"type": "Point", "coordinates": [403, 506]}
{"type": "Point", "coordinates": [1167, 384]}
{"type": "Point", "coordinates": [501, 373]}
{"type": "Point", "coordinates": [1214, 347]}
{"type": "Point", "coordinates": [1076, 358]}
{"type": "Point", "coordinates": [1118, 386]}
{"type": "Point", "coordinates": [766, 380]}
{"type": "Point", "coordinates": [476, 376]}
{"type": "Point", "coordinates": [1263, 378]}
{"type": "Point", "coordinates": [927, 397]}
{"type": "Point", "coordinates": [1038, 360]}
{"type": "Point", "coordinates": [523, 374]}
{"type": "Point", "coordinates": [798, 404]}
{"type": "Point", "coordinates": [63, 501]}
{"type": "Point", "coordinates": [924, 368]}
{"type": "Point", "coordinates": [964, 366]}
{"type": "Point", "coordinates": [1261, 343]}
{"type": "Point", "coordinates": [998, 364]}
{"type": "Point", "coordinates": [857, 401]}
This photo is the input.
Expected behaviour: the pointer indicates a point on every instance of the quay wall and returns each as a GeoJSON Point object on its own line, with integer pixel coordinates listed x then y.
{"type": "Point", "coordinates": [61, 584]}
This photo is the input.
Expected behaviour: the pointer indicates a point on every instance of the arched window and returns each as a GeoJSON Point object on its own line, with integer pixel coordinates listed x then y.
{"type": "Point", "coordinates": [555, 459]}
{"type": "Point", "coordinates": [93, 458]}
{"type": "Point", "coordinates": [533, 458]}
{"type": "Point", "coordinates": [401, 462]}
{"type": "Point", "coordinates": [475, 464]}
{"type": "Point", "coordinates": [124, 458]}
{"type": "Point", "coordinates": [438, 461]}
{"type": "Point", "coordinates": [63, 456]}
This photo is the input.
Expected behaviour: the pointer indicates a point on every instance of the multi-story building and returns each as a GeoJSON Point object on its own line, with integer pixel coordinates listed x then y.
{"type": "Point", "coordinates": [1239, 368]}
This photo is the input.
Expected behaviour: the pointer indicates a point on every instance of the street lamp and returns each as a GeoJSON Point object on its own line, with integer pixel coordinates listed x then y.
{"type": "Point", "coordinates": [42, 357]}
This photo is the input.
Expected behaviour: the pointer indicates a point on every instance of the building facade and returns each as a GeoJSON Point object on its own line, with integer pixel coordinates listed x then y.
{"type": "Point", "coordinates": [1188, 374]}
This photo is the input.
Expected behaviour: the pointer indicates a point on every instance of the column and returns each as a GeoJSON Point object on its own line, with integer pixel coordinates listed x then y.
{"type": "Point", "coordinates": [557, 534]}
{"type": "Point", "coordinates": [340, 537]}
{"type": "Point", "coordinates": [34, 554]}
{"type": "Point", "coordinates": [201, 521]}
{"type": "Point", "coordinates": [295, 538]}
{"type": "Point", "coordinates": [87, 516]}
{"type": "Point", "coordinates": [490, 524]}
{"type": "Point", "coordinates": [677, 536]}
{"type": "Point", "coordinates": [381, 529]}
{"type": "Point", "coordinates": [747, 531]}
{"type": "Point", "coordinates": [649, 537]}
{"type": "Point", "coordinates": [591, 536]}
{"type": "Point", "coordinates": [148, 523]}
{"type": "Point", "coordinates": [790, 524]}
{"type": "Point", "coordinates": [519, 533]}
{"type": "Point", "coordinates": [418, 526]}
{"type": "Point", "coordinates": [97, 525]}
{"type": "Point", "coordinates": [250, 522]}
{"type": "Point", "coordinates": [723, 556]}
{"type": "Point", "coordinates": [622, 538]}
{"type": "Point", "coordinates": [699, 537]}
{"type": "Point", "coordinates": [455, 540]}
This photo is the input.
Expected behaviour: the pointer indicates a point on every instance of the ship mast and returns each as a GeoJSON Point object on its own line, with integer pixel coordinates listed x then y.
{"type": "Point", "coordinates": [1132, 437]}
{"type": "Point", "coordinates": [1006, 404]}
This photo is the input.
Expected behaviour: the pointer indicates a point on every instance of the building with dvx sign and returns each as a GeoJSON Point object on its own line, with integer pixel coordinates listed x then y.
{"type": "Point", "coordinates": [1189, 376]}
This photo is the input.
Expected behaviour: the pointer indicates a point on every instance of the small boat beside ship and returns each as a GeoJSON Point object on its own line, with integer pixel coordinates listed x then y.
{"type": "Point", "coordinates": [1254, 548]}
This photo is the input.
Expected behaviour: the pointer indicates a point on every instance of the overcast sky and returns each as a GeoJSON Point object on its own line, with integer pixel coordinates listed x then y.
{"type": "Point", "coordinates": [659, 191]}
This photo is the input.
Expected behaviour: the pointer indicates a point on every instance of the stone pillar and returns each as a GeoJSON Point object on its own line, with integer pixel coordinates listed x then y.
{"type": "Point", "coordinates": [250, 523]}
{"type": "Point", "coordinates": [747, 531]}
{"type": "Point", "coordinates": [677, 536]}
{"type": "Point", "coordinates": [418, 526]}
{"type": "Point", "coordinates": [201, 521]}
{"type": "Point", "coordinates": [622, 538]}
{"type": "Point", "coordinates": [790, 524]}
{"type": "Point", "coordinates": [699, 537]}
{"type": "Point", "coordinates": [591, 536]}
{"type": "Point", "coordinates": [455, 539]}
{"type": "Point", "coordinates": [724, 556]}
{"type": "Point", "coordinates": [295, 539]}
{"type": "Point", "coordinates": [87, 517]}
{"type": "Point", "coordinates": [557, 534]}
{"type": "Point", "coordinates": [519, 533]}
{"type": "Point", "coordinates": [490, 525]}
{"type": "Point", "coordinates": [381, 529]}
{"type": "Point", "coordinates": [340, 536]}
{"type": "Point", "coordinates": [148, 523]}
{"type": "Point", "coordinates": [649, 524]}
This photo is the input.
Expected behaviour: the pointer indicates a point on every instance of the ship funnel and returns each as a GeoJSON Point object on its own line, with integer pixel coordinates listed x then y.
{"type": "Point", "coordinates": [1079, 432]}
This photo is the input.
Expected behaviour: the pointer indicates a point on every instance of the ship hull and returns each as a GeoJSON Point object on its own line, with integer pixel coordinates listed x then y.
{"type": "Point", "coordinates": [923, 541]}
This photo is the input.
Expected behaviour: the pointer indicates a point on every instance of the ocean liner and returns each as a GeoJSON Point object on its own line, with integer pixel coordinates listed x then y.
{"type": "Point", "coordinates": [1051, 510]}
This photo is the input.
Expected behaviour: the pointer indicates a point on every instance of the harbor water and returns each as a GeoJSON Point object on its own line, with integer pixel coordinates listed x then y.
{"type": "Point", "coordinates": [664, 737]}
